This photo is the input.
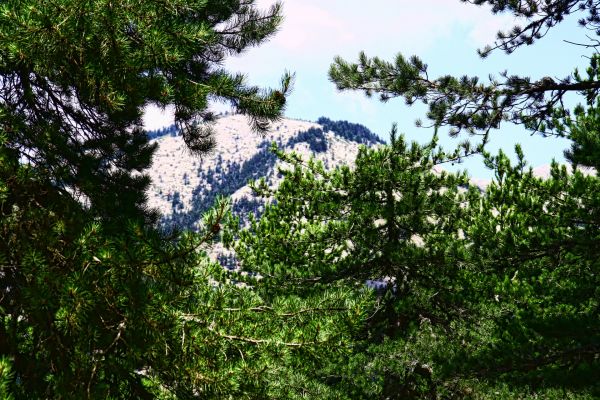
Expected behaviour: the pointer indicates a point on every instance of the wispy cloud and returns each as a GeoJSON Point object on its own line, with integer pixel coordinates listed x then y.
{"type": "Point", "coordinates": [406, 25]}
{"type": "Point", "coordinates": [357, 103]}
{"type": "Point", "coordinates": [314, 31]}
{"type": "Point", "coordinates": [311, 27]}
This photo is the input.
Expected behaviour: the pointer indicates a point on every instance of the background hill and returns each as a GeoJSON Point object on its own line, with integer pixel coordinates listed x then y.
{"type": "Point", "coordinates": [184, 185]}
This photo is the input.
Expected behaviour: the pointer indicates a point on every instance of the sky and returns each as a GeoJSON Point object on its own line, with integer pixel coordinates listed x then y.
{"type": "Point", "coordinates": [445, 34]}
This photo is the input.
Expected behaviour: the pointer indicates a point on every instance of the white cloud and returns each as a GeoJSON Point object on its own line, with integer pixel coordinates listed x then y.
{"type": "Point", "coordinates": [314, 31]}
{"type": "Point", "coordinates": [357, 103]}
{"type": "Point", "coordinates": [155, 117]}
{"type": "Point", "coordinates": [484, 26]}
{"type": "Point", "coordinates": [310, 27]}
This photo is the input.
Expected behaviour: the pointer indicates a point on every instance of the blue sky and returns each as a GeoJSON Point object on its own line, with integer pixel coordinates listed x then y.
{"type": "Point", "coordinates": [444, 33]}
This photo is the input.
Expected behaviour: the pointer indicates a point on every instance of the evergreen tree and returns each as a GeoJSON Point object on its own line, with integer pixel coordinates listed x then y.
{"type": "Point", "coordinates": [391, 219]}
{"type": "Point", "coordinates": [478, 294]}
{"type": "Point", "coordinates": [533, 241]}
{"type": "Point", "coordinates": [524, 290]}
{"type": "Point", "coordinates": [468, 104]}
{"type": "Point", "coordinates": [94, 302]}
{"type": "Point", "coordinates": [76, 76]}
{"type": "Point", "coordinates": [105, 313]}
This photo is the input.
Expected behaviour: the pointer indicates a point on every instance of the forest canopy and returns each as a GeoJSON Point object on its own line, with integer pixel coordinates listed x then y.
{"type": "Point", "coordinates": [473, 293]}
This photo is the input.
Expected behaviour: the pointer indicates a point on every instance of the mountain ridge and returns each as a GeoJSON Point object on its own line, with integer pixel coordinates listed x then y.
{"type": "Point", "coordinates": [184, 186]}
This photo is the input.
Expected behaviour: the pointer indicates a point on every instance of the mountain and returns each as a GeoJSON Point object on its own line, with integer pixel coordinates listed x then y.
{"type": "Point", "coordinates": [185, 185]}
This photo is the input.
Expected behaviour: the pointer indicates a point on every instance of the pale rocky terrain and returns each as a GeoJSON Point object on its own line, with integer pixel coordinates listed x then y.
{"type": "Point", "coordinates": [228, 168]}
{"type": "Point", "coordinates": [175, 169]}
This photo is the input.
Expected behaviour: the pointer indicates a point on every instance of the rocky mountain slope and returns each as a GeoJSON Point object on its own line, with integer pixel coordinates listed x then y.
{"type": "Point", "coordinates": [184, 185]}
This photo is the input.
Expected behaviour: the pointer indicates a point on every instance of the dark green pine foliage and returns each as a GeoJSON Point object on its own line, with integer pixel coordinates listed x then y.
{"type": "Point", "coordinates": [481, 295]}
{"type": "Point", "coordinates": [91, 311]}
{"type": "Point", "coordinates": [94, 303]}
{"type": "Point", "coordinates": [76, 76]}
{"type": "Point", "coordinates": [471, 105]}
{"type": "Point", "coordinates": [477, 294]}
{"type": "Point", "coordinates": [534, 243]}
{"type": "Point", "coordinates": [532, 240]}
{"type": "Point", "coordinates": [348, 130]}
{"type": "Point", "coordinates": [5, 379]}
{"type": "Point", "coordinates": [393, 220]}
{"type": "Point", "coordinates": [582, 128]}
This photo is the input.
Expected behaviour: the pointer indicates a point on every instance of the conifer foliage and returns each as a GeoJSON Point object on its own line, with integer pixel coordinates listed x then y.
{"type": "Point", "coordinates": [470, 105]}
{"type": "Point", "coordinates": [94, 302]}
{"type": "Point", "coordinates": [470, 294]}
{"type": "Point", "coordinates": [76, 76]}
{"type": "Point", "coordinates": [489, 294]}
{"type": "Point", "coordinates": [475, 294]}
{"type": "Point", "coordinates": [390, 220]}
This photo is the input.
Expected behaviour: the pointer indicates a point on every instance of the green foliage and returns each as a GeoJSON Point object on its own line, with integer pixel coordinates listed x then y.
{"type": "Point", "coordinates": [472, 294]}
{"type": "Point", "coordinates": [529, 312]}
{"type": "Point", "coordinates": [391, 219]}
{"type": "Point", "coordinates": [101, 313]}
{"type": "Point", "coordinates": [583, 132]}
{"type": "Point", "coordinates": [95, 302]}
{"type": "Point", "coordinates": [534, 240]}
{"type": "Point", "coordinates": [487, 294]}
{"type": "Point", "coordinates": [6, 378]}
{"type": "Point", "coordinates": [344, 215]}
{"type": "Point", "coordinates": [75, 78]}
{"type": "Point", "coordinates": [476, 294]}
{"type": "Point", "coordinates": [468, 104]}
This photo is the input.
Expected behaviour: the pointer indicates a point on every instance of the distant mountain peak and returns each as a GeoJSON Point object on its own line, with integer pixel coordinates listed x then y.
{"type": "Point", "coordinates": [184, 185]}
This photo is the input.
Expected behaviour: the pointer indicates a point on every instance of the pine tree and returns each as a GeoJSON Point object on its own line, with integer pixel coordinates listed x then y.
{"type": "Point", "coordinates": [94, 301]}
{"type": "Point", "coordinates": [391, 220]}
{"type": "Point", "coordinates": [509, 309]}
{"type": "Point", "coordinates": [475, 294]}
{"type": "Point", "coordinates": [468, 104]}
{"type": "Point", "coordinates": [530, 241]}
{"type": "Point", "coordinates": [76, 76]}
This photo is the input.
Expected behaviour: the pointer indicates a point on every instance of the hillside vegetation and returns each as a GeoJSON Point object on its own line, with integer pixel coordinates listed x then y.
{"type": "Point", "coordinates": [185, 186]}
{"type": "Point", "coordinates": [368, 271]}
